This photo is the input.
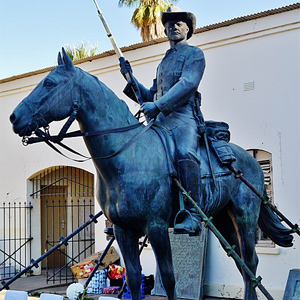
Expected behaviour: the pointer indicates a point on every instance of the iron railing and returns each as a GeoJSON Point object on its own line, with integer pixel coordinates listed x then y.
{"type": "Point", "coordinates": [15, 237]}
{"type": "Point", "coordinates": [66, 195]}
{"type": "Point", "coordinates": [78, 247]}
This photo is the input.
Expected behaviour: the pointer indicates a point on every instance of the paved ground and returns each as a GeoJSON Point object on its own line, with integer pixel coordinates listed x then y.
{"type": "Point", "coordinates": [37, 284]}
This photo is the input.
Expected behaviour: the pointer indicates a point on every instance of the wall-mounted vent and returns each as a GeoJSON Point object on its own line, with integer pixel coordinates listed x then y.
{"type": "Point", "coordinates": [248, 86]}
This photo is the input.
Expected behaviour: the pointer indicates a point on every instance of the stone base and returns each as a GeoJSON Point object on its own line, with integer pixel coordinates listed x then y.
{"type": "Point", "coordinates": [188, 259]}
{"type": "Point", "coordinates": [292, 290]}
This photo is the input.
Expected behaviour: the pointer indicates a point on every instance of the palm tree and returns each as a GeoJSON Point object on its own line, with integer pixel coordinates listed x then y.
{"type": "Point", "coordinates": [79, 52]}
{"type": "Point", "coordinates": [147, 16]}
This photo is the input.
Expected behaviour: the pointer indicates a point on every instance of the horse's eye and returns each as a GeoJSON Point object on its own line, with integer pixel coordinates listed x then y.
{"type": "Point", "coordinates": [48, 83]}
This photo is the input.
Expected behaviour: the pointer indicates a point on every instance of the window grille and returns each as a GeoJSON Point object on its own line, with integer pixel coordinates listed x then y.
{"type": "Point", "coordinates": [264, 159]}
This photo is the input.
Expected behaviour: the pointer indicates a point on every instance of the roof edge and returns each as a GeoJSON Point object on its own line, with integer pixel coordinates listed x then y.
{"type": "Point", "coordinates": [161, 40]}
{"type": "Point", "coordinates": [250, 17]}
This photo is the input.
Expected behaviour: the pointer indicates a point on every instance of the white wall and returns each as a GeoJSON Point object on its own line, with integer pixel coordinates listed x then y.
{"type": "Point", "coordinates": [18, 163]}
{"type": "Point", "coordinates": [267, 52]}
{"type": "Point", "coordinates": [264, 51]}
{"type": "Point", "coordinates": [265, 118]}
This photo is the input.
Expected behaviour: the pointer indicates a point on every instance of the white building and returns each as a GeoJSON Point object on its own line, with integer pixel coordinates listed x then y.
{"type": "Point", "coordinates": [252, 82]}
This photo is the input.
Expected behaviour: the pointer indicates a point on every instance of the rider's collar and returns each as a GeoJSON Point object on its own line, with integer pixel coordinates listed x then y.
{"type": "Point", "coordinates": [177, 47]}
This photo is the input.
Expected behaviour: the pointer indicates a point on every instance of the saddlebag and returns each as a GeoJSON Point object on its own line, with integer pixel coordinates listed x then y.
{"type": "Point", "coordinates": [218, 135]}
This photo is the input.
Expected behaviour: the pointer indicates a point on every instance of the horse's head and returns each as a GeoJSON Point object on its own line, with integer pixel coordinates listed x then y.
{"type": "Point", "coordinates": [53, 99]}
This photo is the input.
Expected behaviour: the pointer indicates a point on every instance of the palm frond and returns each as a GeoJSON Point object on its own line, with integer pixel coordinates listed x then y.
{"type": "Point", "coordinates": [129, 3]}
{"type": "Point", "coordinates": [79, 52]}
{"type": "Point", "coordinates": [146, 16]}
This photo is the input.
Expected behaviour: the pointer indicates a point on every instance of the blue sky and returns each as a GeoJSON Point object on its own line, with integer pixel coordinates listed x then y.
{"type": "Point", "coordinates": [33, 31]}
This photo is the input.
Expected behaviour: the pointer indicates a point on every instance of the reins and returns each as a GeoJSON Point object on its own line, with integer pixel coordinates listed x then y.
{"type": "Point", "coordinates": [45, 136]}
{"type": "Point", "coordinates": [51, 140]}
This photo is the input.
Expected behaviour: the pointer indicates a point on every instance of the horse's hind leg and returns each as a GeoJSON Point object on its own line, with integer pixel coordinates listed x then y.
{"type": "Point", "coordinates": [128, 243]}
{"type": "Point", "coordinates": [240, 236]}
{"type": "Point", "coordinates": [245, 227]}
{"type": "Point", "coordinates": [159, 238]}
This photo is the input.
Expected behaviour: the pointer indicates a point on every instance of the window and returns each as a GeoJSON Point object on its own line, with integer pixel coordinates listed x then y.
{"type": "Point", "coordinates": [264, 158]}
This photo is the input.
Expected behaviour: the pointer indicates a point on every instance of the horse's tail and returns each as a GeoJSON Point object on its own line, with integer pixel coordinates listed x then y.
{"type": "Point", "coordinates": [271, 225]}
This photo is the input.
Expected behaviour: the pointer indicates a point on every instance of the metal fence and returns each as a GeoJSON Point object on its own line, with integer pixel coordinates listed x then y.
{"type": "Point", "coordinates": [70, 215]}
{"type": "Point", "coordinates": [15, 238]}
{"type": "Point", "coordinates": [66, 196]}
{"type": "Point", "coordinates": [63, 198]}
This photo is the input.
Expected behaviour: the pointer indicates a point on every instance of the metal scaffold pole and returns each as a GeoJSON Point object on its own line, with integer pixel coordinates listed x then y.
{"type": "Point", "coordinates": [256, 281]}
{"type": "Point", "coordinates": [63, 241]}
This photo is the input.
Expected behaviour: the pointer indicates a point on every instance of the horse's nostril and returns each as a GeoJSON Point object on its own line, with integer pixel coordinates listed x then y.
{"type": "Point", "coordinates": [12, 118]}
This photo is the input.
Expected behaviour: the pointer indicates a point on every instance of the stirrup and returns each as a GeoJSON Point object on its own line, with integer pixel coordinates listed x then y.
{"type": "Point", "coordinates": [180, 217]}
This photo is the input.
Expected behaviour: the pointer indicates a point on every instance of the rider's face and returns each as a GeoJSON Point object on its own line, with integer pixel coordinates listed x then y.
{"type": "Point", "coordinates": [176, 31]}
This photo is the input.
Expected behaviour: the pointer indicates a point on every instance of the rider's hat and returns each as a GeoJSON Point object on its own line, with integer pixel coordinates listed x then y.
{"type": "Point", "coordinates": [175, 13]}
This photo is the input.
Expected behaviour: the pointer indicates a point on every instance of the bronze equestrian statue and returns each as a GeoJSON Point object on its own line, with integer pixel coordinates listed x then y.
{"type": "Point", "coordinates": [172, 100]}
{"type": "Point", "coordinates": [135, 188]}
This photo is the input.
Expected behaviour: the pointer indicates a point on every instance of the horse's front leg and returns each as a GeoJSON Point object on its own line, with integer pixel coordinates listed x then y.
{"type": "Point", "coordinates": [160, 242]}
{"type": "Point", "coordinates": [128, 243]}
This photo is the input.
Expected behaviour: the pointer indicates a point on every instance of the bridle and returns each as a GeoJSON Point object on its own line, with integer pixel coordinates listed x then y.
{"type": "Point", "coordinates": [45, 135]}
{"type": "Point", "coordinates": [50, 140]}
{"type": "Point", "coordinates": [38, 118]}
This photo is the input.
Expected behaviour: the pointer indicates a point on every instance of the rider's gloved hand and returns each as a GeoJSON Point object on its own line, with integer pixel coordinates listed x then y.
{"type": "Point", "coordinates": [150, 109]}
{"type": "Point", "coordinates": [125, 68]}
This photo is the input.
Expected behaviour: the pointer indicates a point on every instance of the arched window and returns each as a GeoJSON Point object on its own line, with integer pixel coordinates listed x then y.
{"type": "Point", "coordinates": [264, 158]}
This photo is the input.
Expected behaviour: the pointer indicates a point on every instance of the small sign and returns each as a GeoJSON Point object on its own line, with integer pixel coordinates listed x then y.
{"type": "Point", "coordinates": [188, 254]}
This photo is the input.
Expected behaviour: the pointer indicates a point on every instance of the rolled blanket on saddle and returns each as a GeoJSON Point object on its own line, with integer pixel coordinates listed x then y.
{"type": "Point", "coordinates": [218, 136]}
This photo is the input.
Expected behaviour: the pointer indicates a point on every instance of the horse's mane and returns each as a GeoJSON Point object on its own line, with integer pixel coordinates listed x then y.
{"type": "Point", "coordinates": [110, 95]}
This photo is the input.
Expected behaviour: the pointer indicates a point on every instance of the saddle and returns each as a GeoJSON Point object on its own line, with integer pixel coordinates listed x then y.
{"type": "Point", "coordinates": [213, 159]}
{"type": "Point", "coordinates": [215, 154]}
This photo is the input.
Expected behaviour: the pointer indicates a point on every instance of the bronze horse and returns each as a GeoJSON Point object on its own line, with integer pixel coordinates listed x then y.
{"type": "Point", "coordinates": [135, 189]}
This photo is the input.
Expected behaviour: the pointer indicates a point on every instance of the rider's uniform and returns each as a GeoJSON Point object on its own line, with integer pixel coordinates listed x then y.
{"type": "Point", "coordinates": [173, 90]}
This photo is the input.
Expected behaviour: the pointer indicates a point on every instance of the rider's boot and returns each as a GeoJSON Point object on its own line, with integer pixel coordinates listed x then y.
{"type": "Point", "coordinates": [189, 174]}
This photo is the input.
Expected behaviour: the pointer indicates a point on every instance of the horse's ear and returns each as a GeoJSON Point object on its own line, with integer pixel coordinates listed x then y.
{"type": "Point", "coordinates": [59, 59]}
{"type": "Point", "coordinates": [67, 61]}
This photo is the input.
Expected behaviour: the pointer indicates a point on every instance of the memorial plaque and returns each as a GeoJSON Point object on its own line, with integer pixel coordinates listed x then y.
{"type": "Point", "coordinates": [188, 258]}
{"type": "Point", "coordinates": [292, 290]}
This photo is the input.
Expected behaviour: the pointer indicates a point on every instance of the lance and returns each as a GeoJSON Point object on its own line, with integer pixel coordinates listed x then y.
{"type": "Point", "coordinates": [128, 75]}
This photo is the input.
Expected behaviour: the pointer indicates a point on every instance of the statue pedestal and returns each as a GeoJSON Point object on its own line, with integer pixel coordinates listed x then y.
{"type": "Point", "coordinates": [188, 259]}
{"type": "Point", "coordinates": [292, 290]}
